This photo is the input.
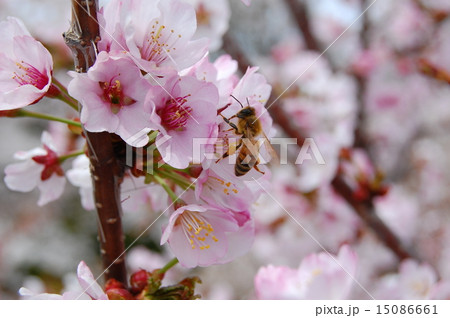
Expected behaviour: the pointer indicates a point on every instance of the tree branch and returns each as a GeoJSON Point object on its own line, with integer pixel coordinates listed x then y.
{"type": "Point", "coordinates": [366, 211]}
{"type": "Point", "coordinates": [106, 171]}
{"type": "Point", "coordinates": [300, 14]}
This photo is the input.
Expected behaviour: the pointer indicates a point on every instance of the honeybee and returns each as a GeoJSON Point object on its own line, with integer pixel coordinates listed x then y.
{"type": "Point", "coordinates": [249, 127]}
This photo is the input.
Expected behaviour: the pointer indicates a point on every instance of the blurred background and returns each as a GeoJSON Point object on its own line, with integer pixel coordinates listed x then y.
{"type": "Point", "coordinates": [373, 90]}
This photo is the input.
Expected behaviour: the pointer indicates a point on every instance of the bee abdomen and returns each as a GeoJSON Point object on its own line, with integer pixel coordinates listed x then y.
{"type": "Point", "coordinates": [241, 169]}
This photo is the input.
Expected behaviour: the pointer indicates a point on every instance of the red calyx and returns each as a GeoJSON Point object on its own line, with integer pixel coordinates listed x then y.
{"type": "Point", "coordinates": [51, 163]}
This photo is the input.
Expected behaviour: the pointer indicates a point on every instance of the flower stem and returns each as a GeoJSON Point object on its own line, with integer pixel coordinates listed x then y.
{"type": "Point", "coordinates": [177, 178]}
{"type": "Point", "coordinates": [166, 187]}
{"type": "Point", "coordinates": [64, 96]}
{"type": "Point", "coordinates": [26, 113]}
{"type": "Point", "coordinates": [169, 265]}
{"type": "Point", "coordinates": [71, 155]}
{"type": "Point", "coordinates": [152, 136]}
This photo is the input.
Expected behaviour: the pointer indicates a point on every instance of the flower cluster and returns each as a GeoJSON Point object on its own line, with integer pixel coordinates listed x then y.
{"type": "Point", "coordinates": [154, 86]}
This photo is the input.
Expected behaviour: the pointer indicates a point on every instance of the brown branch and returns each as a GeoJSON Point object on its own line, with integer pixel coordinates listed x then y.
{"type": "Point", "coordinates": [300, 14]}
{"type": "Point", "coordinates": [231, 47]}
{"type": "Point", "coordinates": [365, 210]}
{"type": "Point", "coordinates": [361, 84]}
{"type": "Point", "coordinates": [105, 169]}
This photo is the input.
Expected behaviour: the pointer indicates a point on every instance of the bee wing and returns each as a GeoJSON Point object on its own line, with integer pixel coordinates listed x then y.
{"type": "Point", "coordinates": [273, 154]}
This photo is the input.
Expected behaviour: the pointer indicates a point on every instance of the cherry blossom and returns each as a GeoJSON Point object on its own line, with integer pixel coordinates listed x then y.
{"type": "Point", "coordinates": [25, 66]}
{"type": "Point", "coordinates": [221, 73]}
{"type": "Point", "coordinates": [400, 211]}
{"type": "Point", "coordinates": [406, 32]}
{"type": "Point", "coordinates": [413, 281]}
{"type": "Point", "coordinates": [319, 276]}
{"type": "Point", "coordinates": [80, 176]}
{"type": "Point", "coordinates": [88, 288]}
{"type": "Point", "coordinates": [212, 20]}
{"type": "Point", "coordinates": [40, 167]}
{"type": "Point", "coordinates": [113, 95]}
{"type": "Point", "coordinates": [137, 195]}
{"type": "Point", "coordinates": [157, 33]}
{"type": "Point", "coordinates": [185, 109]}
{"type": "Point", "coordinates": [223, 193]}
{"type": "Point", "coordinates": [197, 234]}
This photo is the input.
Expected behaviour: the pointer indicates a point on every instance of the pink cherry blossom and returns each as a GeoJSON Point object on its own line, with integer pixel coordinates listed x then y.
{"type": "Point", "coordinates": [80, 176]}
{"type": "Point", "coordinates": [137, 195]}
{"type": "Point", "coordinates": [408, 31]}
{"type": "Point", "coordinates": [39, 168]}
{"type": "Point", "coordinates": [197, 235]}
{"type": "Point", "coordinates": [88, 283]}
{"type": "Point", "coordinates": [413, 281]}
{"type": "Point", "coordinates": [186, 109]}
{"type": "Point", "coordinates": [223, 193]}
{"type": "Point", "coordinates": [212, 20]}
{"type": "Point", "coordinates": [247, 2]}
{"type": "Point", "coordinates": [276, 282]}
{"type": "Point", "coordinates": [240, 242]}
{"type": "Point", "coordinates": [113, 97]}
{"type": "Point", "coordinates": [25, 66]}
{"type": "Point", "coordinates": [400, 211]}
{"type": "Point", "coordinates": [156, 33]}
{"type": "Point", "coordinates": [88, 289]}
{"type": "Point", "coordinates": [221, 73]}
{"type": "Point", "coordinates": [319, 276]}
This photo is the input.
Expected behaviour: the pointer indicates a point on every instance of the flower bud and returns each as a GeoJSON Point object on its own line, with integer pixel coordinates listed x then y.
{"type": "Point", "coordinates": [139, 281]}
{"type": "Point", "coordinates": [119, 294]}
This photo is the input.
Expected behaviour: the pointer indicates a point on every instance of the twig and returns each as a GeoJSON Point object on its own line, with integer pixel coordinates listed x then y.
{"type": "Point", "coordinates": [366, 211]}
{"type": "Point", "coordinates": [361, 84]}
{"type": "Point", "coordinates": [300, 14]}
{"type": "Point", "coordinates": [105, 169]}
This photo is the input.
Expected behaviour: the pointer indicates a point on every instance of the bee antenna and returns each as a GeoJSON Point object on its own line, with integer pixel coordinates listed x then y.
{"type": "Point", "coordinates": [248, 103]}
{"type": "Point", "coordinates": [242, 106]}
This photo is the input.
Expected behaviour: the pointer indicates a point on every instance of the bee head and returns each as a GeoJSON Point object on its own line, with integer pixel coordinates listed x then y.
{"type": "Point", "coordinates": [246, 112]}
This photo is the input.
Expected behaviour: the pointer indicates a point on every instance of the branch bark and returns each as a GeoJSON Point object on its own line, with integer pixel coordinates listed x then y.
{"type": "Point", "coordinates": [300, 14]}
{"type": "Point", "coordinates": [366, 211]}
{"type": "Point", "coordinates": [106, 170]}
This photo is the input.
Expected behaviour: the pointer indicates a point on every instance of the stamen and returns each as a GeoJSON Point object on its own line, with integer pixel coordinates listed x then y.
{"type": "Point", "coordinates": [27, 74]}
{"type": "Point", "coordinates": [197, 230]}
{"type": "Point", "coordinates": [159, 43]}
{"type": "Point", "coordinates": [175, 114]}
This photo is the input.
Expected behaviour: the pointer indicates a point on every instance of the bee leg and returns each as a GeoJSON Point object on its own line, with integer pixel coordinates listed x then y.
{"type": "Point", "coordinates": [227, 120]}
{"type": "Point", "coordinates": [220, 110]}
{"type": "Point", "coordinates": [257, 169]}
{"type": "Point", "coordinates": [226, 154]}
